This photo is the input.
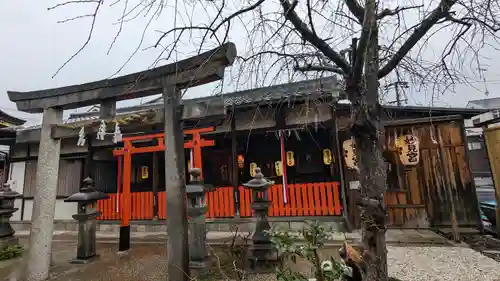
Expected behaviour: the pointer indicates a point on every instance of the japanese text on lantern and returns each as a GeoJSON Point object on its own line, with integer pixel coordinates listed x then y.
{"type": "Point", "coordinates": [408, 146]}
{"type": "Point", "coordinates": [350, 154]}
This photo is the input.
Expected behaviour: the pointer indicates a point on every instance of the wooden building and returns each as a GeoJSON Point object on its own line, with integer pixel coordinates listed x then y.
{"type": "Point", "coordinates": [294, 132]}
{"type": "Point", "coordinates": [8, 123]}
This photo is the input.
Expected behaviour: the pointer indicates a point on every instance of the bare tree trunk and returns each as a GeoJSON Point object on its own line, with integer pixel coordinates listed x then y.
{"type": "Point", "coordinates": [368, 134]}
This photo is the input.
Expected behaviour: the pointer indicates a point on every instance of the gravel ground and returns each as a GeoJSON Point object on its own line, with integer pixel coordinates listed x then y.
{"type": "Point", "coordinates": [441, 264]}
{"type": "Point", "coordinates": [432, 263]}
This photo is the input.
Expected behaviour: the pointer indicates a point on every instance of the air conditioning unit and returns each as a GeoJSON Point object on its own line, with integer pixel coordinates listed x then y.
{"type": "Point", "coordinates": [486, 118]}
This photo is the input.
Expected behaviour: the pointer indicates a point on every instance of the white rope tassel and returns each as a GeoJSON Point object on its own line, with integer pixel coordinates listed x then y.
{"type": "Point", "coordinates": [81, 137]}
{"type": "Point", "coordinates": [117, 134]}
{"type": "Point", "coordinates": [102, 130]}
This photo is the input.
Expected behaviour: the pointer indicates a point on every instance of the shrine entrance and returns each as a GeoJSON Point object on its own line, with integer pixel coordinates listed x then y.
{"type": "Point", "coordinates": [139, 195]}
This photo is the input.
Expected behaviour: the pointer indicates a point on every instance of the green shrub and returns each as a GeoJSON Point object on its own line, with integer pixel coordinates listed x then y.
{"type": "Point", "coordinates": [10, 252]}
{"type": "Point", "coordinates": [288, 247]}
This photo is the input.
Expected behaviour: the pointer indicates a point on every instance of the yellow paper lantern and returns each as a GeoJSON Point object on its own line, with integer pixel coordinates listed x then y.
{"type": "Point", "coordinates": [290, 160]}
{"type": "Point", "coordinates": [327, 156]}
{"type": "Point", "coordinates": [144, 172]}
{"type": "Point", "coordinates": [350, 154]}
{"type": "Point", "coordinates": [278, 166]}
{"type": "Point", "coordinates": [241, 161]}
{"type": "Point", "coordinates": [409, 149]}
{"type": "Point", "coordinates": [253, 165]}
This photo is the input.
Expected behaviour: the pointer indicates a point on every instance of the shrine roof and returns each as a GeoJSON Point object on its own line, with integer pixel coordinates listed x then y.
{"type": "Point", "coordinates": [301, 89]}
{"type": "Point", "coordinates": [7, 120]}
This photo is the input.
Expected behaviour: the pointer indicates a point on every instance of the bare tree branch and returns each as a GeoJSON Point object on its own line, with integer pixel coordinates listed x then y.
{"type": "Point", "coordinates": [438, 13]}
{"type": "Point", "coordinates": [72, 2]}
{"type": "Point", "coordinates": [356, 9]}
{"type": "Point", "coordinates": [91, 31]}
{"type": "Point", "coordinates": [306, 33]}
{"type": "Point", "coordinates": [319, 68]}
{"type": "Point", "coordinates": [389, 12]}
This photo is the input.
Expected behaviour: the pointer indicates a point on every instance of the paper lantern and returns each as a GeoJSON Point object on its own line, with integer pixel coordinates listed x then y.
{"type": "Point", "coordinates": [278, 166]}
{"type": "Point", "coordinates": [350, 154]}
{"type": "Point", "coordinates": [327, 156]}
{"type": "Point", "coordinates": [253, 165]}
{"type": "Point", "coordinates": [409, 150]}
{"type": "Point", "coordinates": [241, 161]}
{"type": "Point", "coordinates": [144, 172]}
{"type": "Point", "coordinates": [290, 160]}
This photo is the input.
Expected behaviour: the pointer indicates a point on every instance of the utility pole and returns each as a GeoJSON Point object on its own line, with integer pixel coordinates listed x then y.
{"type": "Point", "coordinates": [397, 85]}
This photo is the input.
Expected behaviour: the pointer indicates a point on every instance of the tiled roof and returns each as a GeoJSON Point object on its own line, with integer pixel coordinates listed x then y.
{"type": "Point", "coordinates": [66, 121]}
{"type": "Point", "coordinates": [296, 90]}
{"type": "Point", "coordinates": [9, 120]}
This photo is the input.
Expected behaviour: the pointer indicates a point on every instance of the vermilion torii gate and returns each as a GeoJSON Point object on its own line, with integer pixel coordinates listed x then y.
{"type": "Point", "coordinates": [195, 144]}
{"type": "Point", "coordinates": [169, 80]}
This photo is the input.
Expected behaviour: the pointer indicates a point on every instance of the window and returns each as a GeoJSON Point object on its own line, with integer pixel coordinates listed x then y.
{"type": "Point", "coordinates": [474, 145]}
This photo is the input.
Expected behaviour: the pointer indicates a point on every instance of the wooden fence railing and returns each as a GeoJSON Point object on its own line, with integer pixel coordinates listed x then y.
{"type": "Point", "coordinates": [308, 199]}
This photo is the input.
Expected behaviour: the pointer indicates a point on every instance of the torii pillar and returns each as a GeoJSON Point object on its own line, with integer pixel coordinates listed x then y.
{"type": "Point", "coordinates": [38, 258]}
{"type": "Point", "coordinates": [196, 144]}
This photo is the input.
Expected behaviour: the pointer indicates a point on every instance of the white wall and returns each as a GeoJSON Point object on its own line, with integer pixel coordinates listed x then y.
{"type": "Point", "coordinates": [16, 180]}
{"type": "Point", "coordinates": [64, 210]}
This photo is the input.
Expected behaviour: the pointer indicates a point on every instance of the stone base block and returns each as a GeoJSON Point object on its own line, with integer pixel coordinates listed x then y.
{"type": "Point", "coordinates": [8, 241]}
{"type": "Point", "coordinates": [122, 253]}
{"type": "Point", "coordinates": [84, 261]}
{"type": "Point", "coordinates": [262, 263]}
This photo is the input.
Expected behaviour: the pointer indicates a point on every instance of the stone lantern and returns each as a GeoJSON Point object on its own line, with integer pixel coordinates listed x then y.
{"type": "Point", "coordinates": [86, 216]}
{"type": "Point", "coordinates": [196, 209]}
{"type": "Point", "coordinates": [261, 248]}
{"type": "Point", "coordinates": [7, 198]}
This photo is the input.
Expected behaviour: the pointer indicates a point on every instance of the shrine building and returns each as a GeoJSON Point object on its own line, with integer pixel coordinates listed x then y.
{"type": "Point", "coordinates": [296, 133]}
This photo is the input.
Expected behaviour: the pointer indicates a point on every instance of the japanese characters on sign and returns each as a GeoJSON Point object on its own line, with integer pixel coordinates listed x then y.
{"type": "Point", "coordinates": [144, 172]}
{"type": "Point", "coordinates": [290, 160]}
{"type": "Point", "coordinates": [278, 168]}
{"type": "Point", "coordinates": [350, 154]}
{"type": "Point", "coordinates": [409, 151]}
{"type": "Point", "coordinates": [253, 165]}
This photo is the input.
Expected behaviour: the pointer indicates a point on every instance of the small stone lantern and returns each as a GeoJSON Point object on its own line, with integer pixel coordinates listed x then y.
{"type": "Point", "coordinates": [86, 216]}
{"type": "Point", "coordinates": [262, 247]}
{"type": "Point", "coordinates": [196, 209]}
{"type": "Point", "coordinates": [7, 198]}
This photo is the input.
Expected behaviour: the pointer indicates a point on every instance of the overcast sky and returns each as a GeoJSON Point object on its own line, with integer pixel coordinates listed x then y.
{"type": "Point", "coordinates": [34, 46]}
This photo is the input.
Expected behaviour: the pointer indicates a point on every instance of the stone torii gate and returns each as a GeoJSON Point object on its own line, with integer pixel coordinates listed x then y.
{"type": "Point", "coordinates": [169, 80]}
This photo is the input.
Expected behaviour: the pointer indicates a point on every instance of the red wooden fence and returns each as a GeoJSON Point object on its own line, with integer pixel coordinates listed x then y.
{"type": "Point", "coordinates": [308, 199]}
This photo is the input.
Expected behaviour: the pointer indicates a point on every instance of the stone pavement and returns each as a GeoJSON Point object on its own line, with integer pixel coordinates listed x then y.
{"type": "Point", "coordinates": [147, 258]}
{"type": "Point", "coordinates": [143, 262]}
